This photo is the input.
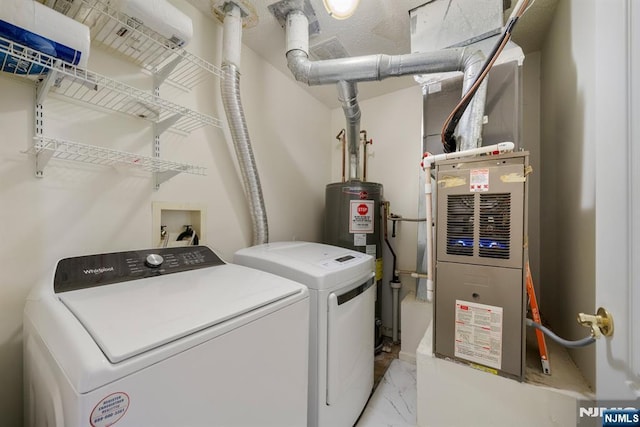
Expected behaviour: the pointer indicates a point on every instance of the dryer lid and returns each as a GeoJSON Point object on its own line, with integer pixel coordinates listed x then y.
{"type": "Point", "coordinates": [316, 265]}
{"type": "Point", "coordinates": [126, 319]}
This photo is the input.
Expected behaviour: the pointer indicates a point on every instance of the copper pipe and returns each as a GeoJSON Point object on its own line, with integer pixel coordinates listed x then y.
{"type": "Point", "coordinates": [340, 137]}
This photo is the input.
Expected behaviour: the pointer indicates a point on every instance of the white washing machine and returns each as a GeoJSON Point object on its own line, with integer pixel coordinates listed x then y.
{"type": "Point", "coordinates": [165, 338]}
{"type": "Point", "coordinates": [341, 330]}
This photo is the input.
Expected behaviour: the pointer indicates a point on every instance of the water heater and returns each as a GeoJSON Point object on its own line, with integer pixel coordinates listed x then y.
{"type": "Point", "coordinates": [481, 240]}
{"type": "Point", "coordinates": [352, 220]}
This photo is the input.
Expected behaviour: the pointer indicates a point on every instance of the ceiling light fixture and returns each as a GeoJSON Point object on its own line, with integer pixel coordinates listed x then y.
{"type": "Point", "coordinates": [341, 9]}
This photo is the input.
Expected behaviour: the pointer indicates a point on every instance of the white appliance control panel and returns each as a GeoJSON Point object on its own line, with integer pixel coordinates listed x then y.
{"type": "Point", "coordinates": [103, 269]}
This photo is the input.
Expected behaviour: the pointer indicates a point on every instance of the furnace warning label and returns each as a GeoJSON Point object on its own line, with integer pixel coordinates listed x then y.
{"type": "Point", "coordinates": [361, 216]}
{"type": "Point", "coordinates": [479, 180]}
{"type": "Point", "coordinates": [478, 333]}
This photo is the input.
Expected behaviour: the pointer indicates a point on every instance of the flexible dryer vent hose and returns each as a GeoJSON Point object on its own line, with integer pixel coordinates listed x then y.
{"type": "Point", "coordinates": [230, 88]}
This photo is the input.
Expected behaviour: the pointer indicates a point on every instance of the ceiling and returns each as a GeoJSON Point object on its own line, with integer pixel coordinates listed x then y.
{"type": "Point", "coordinates": [377, 26]}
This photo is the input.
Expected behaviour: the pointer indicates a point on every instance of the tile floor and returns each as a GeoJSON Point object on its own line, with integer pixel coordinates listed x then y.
{"type": "Point", "coordinates": [393, 403]}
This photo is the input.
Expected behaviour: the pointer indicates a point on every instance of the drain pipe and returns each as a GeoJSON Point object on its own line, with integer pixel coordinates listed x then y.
{"type": "Point", "coordinates": [230, 88]}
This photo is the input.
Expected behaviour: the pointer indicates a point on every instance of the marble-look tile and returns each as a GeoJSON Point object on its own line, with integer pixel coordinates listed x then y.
{"type": "Point", "coordinates": [393, 403]}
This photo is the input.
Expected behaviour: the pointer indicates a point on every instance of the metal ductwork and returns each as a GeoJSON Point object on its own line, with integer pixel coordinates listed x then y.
{"type": "Point", "coordinates": [230, 88]}
{"type": "Point", "coordinates": [348, 96]}
{"type": "Point", "coordinates": [345, 72]}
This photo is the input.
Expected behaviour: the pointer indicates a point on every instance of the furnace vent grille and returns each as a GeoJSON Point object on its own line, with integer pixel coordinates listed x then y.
{"type": "Point", "coordinates": [495, 225]}
{"type": "Point", "coordinates": [460, 219]}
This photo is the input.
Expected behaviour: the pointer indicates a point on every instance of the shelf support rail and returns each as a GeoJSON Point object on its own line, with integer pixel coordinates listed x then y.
{"type": "Point", "coordinates": [42, 89]}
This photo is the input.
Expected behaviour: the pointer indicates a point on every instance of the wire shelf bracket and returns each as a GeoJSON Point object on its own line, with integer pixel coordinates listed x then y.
{"type": "Point", "coordinates": [61, 78]}
{"type": "Point", "coordinates": [45, 148]}
{"type": "Point", "coordinates": [118, 32]}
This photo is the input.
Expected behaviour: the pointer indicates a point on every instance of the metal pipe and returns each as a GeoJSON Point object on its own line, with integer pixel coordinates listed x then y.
{"type": "Point", "coordinates": [374, 67]}
{"type": "Point", "coordinates": [469, 130]}
{"type": "Point", "coordinates": [230, 89]}
{"type": "Point", "coordinates": [367, 67]}
{"type": "Point", "coordinates": [365, 142]}
{"type": "Point", "coordinates": [395, 284]}
{"type": "Point", "coordinates": [348, 96]}
{"type": "Point", "coordinates": [347, 71]}
{"type": "Point", "coordinates": [340, 137]}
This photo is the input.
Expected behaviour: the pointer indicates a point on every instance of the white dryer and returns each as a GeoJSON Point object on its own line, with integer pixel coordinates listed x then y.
{"type": "Point", "coordinates": [165, 338]}
{"type": "Point", "coordinates": [342, 322]}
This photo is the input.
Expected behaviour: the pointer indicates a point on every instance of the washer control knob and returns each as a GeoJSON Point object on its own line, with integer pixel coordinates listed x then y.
{"type": "Point", "coordinates": [154, 260]}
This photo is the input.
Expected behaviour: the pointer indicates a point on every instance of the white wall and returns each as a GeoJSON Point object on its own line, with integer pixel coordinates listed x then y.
{"type": "Point", "coordinates": [81, 209]}
{"type": "Point", "coordinates": [567, 207]}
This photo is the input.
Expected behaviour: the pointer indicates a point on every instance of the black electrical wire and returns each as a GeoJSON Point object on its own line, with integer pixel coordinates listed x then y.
{"type": "Point", "coordinates": [566, 343]}
{"type": "Point", "coordinates": [448, 129]}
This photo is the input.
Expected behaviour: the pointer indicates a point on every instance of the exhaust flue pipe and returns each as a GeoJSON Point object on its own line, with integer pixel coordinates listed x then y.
{"type": "Point", "coordinates": [469, 130]}
{"type": "Point", "coordinates": [348, 96]}
{"type": "Point", "coordinates": [230, 88]}
{"type": "Point", "coordinates": [379, 67]}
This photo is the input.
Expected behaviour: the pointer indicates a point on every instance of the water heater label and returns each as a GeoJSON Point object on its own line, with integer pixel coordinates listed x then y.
{"type": "Point", "coordinates": [478, 336]}
{"type": "Point", "coordinates": [361, 216]}
{"type": "Point", "coordinates": [359, 239]}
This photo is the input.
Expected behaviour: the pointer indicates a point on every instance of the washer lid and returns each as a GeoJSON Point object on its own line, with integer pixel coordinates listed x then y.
{"type": "Point", "coordinates": [129, 318]}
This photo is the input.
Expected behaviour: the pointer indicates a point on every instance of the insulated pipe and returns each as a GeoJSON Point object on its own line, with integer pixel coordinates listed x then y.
{"type": "Point", "coordinates": [368, 67]}
{"type": "Point", "coordinates": [469, 130]}
{"type": "Point", "coordinates": [348, 96]}
{"type": "Point", "coordinates": [374, 67]}
{"type": "Point", "coordinates": [230, 88]}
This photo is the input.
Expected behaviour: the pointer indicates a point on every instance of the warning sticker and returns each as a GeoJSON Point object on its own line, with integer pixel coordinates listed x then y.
{"type": "Point", "coordinates": [361, 216]}
{"type": "Point", "coordinates": [359, 239]}
{"type": "Point", "coordinates": [478, 333]}
{"type": "Point", "coordinates": [109, 410]}
{"type": "Point", "coordinates": [479, 180]}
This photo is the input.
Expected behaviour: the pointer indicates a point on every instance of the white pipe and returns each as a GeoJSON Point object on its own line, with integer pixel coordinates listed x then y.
{"type": "Point", "coordinates": [297, 32]}
{"type": "Point", "coordinates": [232, 41]}
{"type": "Point", "coordinates": [429, 160]}
{"type": "Point", "coordinates": [429, 231]}
{"type": "Point", "coordinates": [503, 147]}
